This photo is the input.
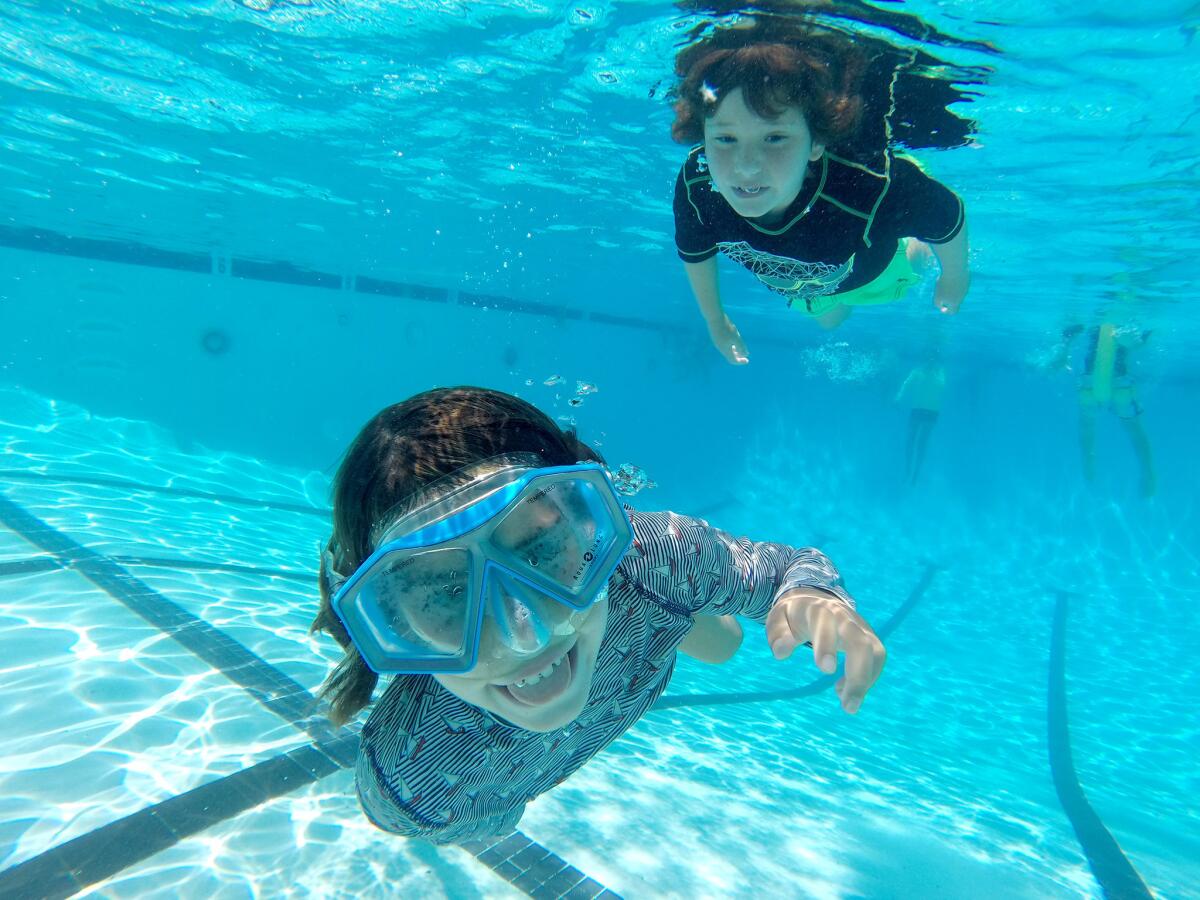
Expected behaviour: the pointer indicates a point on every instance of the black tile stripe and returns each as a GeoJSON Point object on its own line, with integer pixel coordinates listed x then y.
{"type": "Point", "coordinates": [276, 505]}
{"type": "Point", "coordinates": [90, 858]}
{"type": "Point", "coordinates": [1112, 869]}
{"type": "Point", "coordinates": [100, 854]}
{"type": "Point", "coordinates": [266, 684]}
{"type": "Point", "coordinates": [280, 271]}
{"type": "Point", "coordinates": [193, 565]}
{"type": "Point", "coordinates": [30, 566]}
{"type": "Point", "coordinates": [494, 301]}
{"type": "Point", "coordinates": [813, 687]}
{"type": "Point", "coordinates": [41, 240]}
{"type": "Point", "coordinates": [364, 284]}
{"type": "Point", "coordinates": [37, 564]}
{"type": "Point", "coordinates": [283, 272]}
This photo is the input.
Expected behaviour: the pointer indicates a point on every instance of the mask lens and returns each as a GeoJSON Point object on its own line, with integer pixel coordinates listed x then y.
{"type": "Point", "coordinates": [420, 603]}
{"type": "Point", "coordinates": [557, 535]}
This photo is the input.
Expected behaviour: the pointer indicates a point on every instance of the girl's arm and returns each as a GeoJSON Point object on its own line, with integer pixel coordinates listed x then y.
{"type": "Point", "coordinates": [687, 564]}
{"type": "Point", "coordinates": [702, 276]}
{"type": "Point", "coordinates": [688, 567]}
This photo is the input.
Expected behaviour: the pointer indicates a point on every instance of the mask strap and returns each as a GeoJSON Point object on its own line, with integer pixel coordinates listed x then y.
{"type": "Point", "coordinates": [333, 578]}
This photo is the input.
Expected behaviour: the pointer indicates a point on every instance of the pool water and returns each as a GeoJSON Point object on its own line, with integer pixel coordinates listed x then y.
{"type": "Point", "coordinates": [234, 231]}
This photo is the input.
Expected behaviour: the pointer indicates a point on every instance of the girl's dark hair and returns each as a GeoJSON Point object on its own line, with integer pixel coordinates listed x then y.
{"type": "Point", "coordinates": [818, 76]}
{"type": "Point", "coordinates": [402, 449]}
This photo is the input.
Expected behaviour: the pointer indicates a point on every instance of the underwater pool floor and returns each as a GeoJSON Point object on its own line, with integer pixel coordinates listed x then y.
{"type": "Point", "coordinates": [162, 738]}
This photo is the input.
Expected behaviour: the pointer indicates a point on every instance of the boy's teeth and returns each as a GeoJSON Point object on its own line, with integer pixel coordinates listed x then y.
{"type": "Point", "coordinates": [534, 679]}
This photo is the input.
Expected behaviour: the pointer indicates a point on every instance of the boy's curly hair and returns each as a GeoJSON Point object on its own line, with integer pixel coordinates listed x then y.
{"type": "Point", "coordinates": [775, 68]}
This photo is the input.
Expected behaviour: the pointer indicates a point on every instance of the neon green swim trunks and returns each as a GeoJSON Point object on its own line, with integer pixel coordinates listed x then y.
{"type": "Point", "coordinates": [890, 285]}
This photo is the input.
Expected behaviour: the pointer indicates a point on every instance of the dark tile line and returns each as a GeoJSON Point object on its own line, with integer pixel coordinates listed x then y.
{"type": "Point", "coordinates": [30, 566]}
{"type": "Point", "coordinates": [274, 690]}
{"type": "Point", "coordinates": [494, 301]}
{"type": "Point", "coordinates": [274, 505]}
{"type": "Point", "coordinates": [279, 271]}
{"type": "Point", "coordinates": [815, 686]}
{"type": "Point", "coordinates": [38, 564]}
{"type": "Point", "coordinates": [43, 241]}
{"type": "Point", "coordinates": [283, 273]}
{"type": "Point", "coordinates": [365, 284]}
{"type": "Point", "coordinates": [305, 578]}
{"type": "Point", "coordinates": [104, 852]}
{"type": "Point", "coordinates": [530, 867]}
{"type": "Point", "coordinates": [1112, 869]}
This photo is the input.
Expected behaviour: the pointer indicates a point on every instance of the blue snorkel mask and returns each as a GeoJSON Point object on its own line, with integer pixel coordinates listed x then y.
{"type": "Point", "coordinates": [527, 547]}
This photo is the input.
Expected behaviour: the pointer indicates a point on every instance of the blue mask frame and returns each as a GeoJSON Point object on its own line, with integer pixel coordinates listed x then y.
{"type": "Point", "coordinates": [465, 519]}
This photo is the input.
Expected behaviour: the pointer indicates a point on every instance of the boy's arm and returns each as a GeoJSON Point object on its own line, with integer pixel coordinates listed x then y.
{"type": "Point", "coordinates": [955, 279]}
{"type": "Point", "coordinates": [702, 276]}
{"type": "Point", "coordinates": [917, 205]}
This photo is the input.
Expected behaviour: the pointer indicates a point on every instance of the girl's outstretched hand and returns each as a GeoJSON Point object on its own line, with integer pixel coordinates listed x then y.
{"type": "Point", "coordinates": [813, 615]}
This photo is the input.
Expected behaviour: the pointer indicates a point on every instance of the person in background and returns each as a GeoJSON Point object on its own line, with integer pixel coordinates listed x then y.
{"type": "Point", "coordinates": [922, 393]}
{"type": "Point", "coordinates": [1106, 383]}
{"type": "Point", "coordinates": [775, 183]}
{"type": "Point", "coordinates": [481, 557]}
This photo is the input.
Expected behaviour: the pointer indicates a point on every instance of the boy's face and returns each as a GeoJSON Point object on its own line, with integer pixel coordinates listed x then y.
{"type": "Point", "coordinates": [758, 165]}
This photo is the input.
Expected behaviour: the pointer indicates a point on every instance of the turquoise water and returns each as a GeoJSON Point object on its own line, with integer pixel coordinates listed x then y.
{"type": "Point", "coordinates": [233, 231]}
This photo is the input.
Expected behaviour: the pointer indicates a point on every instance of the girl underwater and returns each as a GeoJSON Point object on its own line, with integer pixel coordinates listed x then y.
{"type": "Point", "coordinates": [481, 557]}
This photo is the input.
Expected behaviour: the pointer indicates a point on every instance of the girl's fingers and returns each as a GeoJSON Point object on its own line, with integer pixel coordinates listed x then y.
{"type": "Point", "coordinates": [864, 661]}
{"type": "Point", "coordinates": [823, 622]}
{"type": "Point", "coordinates": [780, 637]}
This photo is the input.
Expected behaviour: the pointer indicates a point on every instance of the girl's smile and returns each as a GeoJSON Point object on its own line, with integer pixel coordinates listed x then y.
{"type": "Point", "coordinates": [543, 694]}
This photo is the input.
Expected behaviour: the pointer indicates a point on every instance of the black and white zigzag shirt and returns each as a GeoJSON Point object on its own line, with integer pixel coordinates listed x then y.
{"type": "Point", "coordinates": [435, 767]}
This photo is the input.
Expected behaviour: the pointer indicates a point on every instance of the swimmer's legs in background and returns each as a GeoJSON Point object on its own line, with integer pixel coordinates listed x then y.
{"type": "Point", "coordinates": [1141, 449]}
{"type": "Point", "coordinates": [920, 427]}
{"type": "Point", "coordinates": [713, 639]}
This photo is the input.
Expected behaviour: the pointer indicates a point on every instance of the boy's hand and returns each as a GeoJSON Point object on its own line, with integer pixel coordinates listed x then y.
{"type": "Point", "coordinates": [727, 339]}
{"type": "Point", "coordinates": [949, 295]}
{"type": "Point", "coordinates": [814, 615]}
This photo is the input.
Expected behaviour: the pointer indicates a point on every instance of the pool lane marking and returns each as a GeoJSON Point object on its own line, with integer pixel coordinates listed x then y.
{"type": "Point", "coordinates": [108, 850]}
{"type": "Point", "coordinates": [276, 505]}
{"type": "Point", "coordinates": [678, 701]}
{"type": "Point", "coordinates": [32, 565]}
{"type": "Point", "coordinates": [199, 565]}
{"type": "Point", "coordinates": [279, 693]}
{"type": "Point", "coordinates": [1111, 868]}
{"type": "Point", "coordinates": [37, 564]}
{"type": "Point", "coordinates": [104, 852]}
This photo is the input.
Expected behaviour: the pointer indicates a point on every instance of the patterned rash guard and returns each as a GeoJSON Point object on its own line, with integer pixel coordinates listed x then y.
{"type": "Point", "coordinates": [839, 234]}
{"type": "Point", "coordinates": [434, 767]}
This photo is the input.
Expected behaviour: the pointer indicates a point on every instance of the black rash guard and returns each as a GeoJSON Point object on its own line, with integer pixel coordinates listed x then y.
{"type": "Point", "coordinates": [840, 232]}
